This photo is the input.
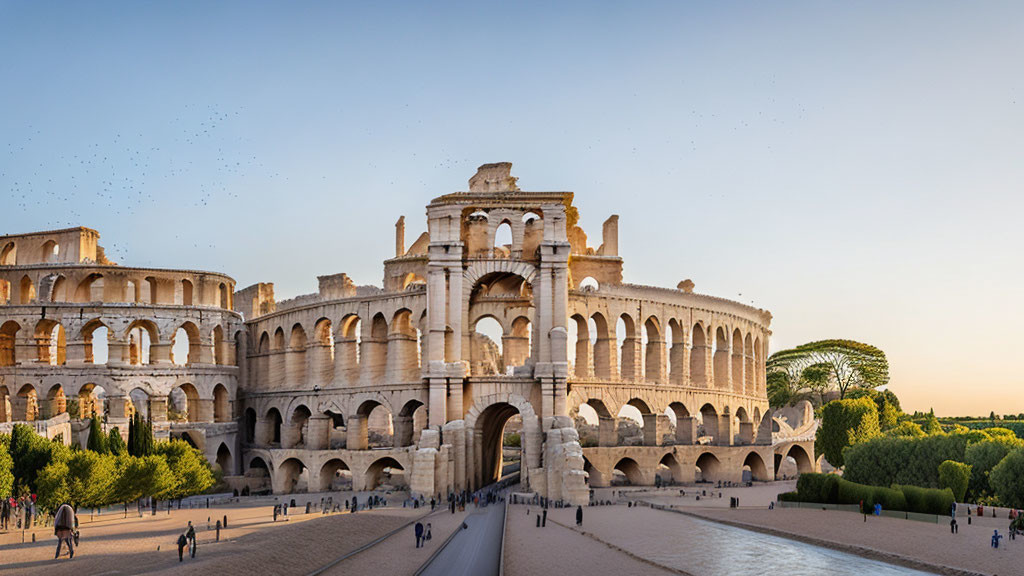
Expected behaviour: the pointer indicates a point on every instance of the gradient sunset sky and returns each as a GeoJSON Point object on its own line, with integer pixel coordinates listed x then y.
{"type": "Point", "coordinates": [856, 168]}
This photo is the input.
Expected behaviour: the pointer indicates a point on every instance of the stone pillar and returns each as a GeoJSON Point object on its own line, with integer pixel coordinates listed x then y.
{"type": "Point", "coordinates": [455, 311]}
{"type": "Point", "coordinates": [158, 408]}
{"type": "Point", "coordinates": [583, 369]}
{"type": "Point", "coordinates": [264, 432]}
{"type": "Point", "coordinates": [436, 314]}
{"type": "Point", "coordinates": [654, 428]}
{"type": "Point", "coordinates": [116, 405]}
{"type": "Point", "coordinates": [746, 433]}
{"type": "Point", "coordinates": [75, 351]}
{"type": "Point", "coordinates": [205, 410]}
{"type": "Point", "coordinates": [318, 429]}
{"type": "Point", "coordinates": [679, 363]}
{"type": "Point", "coordinates": [206, 353]}
{"type": "Point", "coordinates": [654, 370]}
{"type": "Point", "coordinates": [722, 379]}
{"type": "Point", "coordinates": [736, 378]}
{"type": "Point", "coordinates": [607, 431]}
{"type": "Point", "coordinates": [277, 369]}
{"type": "Point", "coordinates": [402, 430]}
{"type": "Point", "coordinates": [726, 430]}
{"type": "Point", "coordinates": [356, 437]}
{"type": "Point", "coordinates": [686, 430]}
{"type": "Point", "coordinates": [160, 354]}
{"type": "Point", "coordinates": [605, 357]}
{"type": "Point", "coordinates": [346, 367]}
{"type": "Point", "coordinates": [437, 410]}
{"type": "Point", "coordinates": [401, 365]}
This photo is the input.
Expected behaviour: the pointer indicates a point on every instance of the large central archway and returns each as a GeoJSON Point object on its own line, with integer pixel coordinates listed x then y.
{"type": "Point", "coordinates": [490, 433]}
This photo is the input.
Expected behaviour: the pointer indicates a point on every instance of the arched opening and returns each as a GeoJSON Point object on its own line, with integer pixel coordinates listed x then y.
{"type": "Point", "coordinates": [249, 426]}
{"type": "Point", "coordinates": [503, 240]}
{"type": "Point", "coordinates": [274, 420]}
{"type": "Point", "coordinates": [221, 404]}
{"type": "Point", "coordinates": [97, 340]}
{"type": "Point", "coordinates": [335, 475]}
{"type": "Point", "coordinates": [6, 415]}
{"type": "Point", "coordinates": [50, 252]}
{"type": "Point", "coordinates": [589, 284]}
{"type": "Point", "coordinates": [294, 476]}
{"type": "Point", "coordinates": [686, 425]}
{"type": "Point", "coordinates": [132, 292]}
{"type": "Point", "coordinates": [669, 470]}
{"type": "Point", "coordinates": [385, 474]}
{"type": "Point", "coordinates": [601, 340]}
{"type": "Point", "coordinates": [411, 420]}
{"type": "Point", "coordinates": [486, 354]}
{"type": "Point", "coordinates": [295, 358]}
{"type": "Point", "coordinates": [627, 473]}
{"type": "Point", "coordinates": [373, 356]}
{"type": "Point", "coordinates": [721, 360]}
{"type": "Point", "coordinates": [91, 401]}
{"type": "Point", "coordinates": [224, 460]}
{"type": "Point", "coordinates": [28, 404]}
{"type": "Point", "coordinates": [141, 335]}
{"type": "Point", "coordinates": [137, 403]}
{"type": "Point", "coordinates": [348, 346]}
{"type": "Point", "coordinates": [579, 346]}
{"type": "Point", "coordinates": [494, 442]}
{"type": "Point", "coordinates": [708, 468]}
{"type": "Point", "coordinates": [185, 345]}
{"type": "Point", "coordinates": [517, 348]}
{"type": "Point", "coordinates": [219, 352]}
{"type": "Point", "coordinates": [709, 422]}
{"type": "Point", "coordinates": [152, 286]}
{"type": "Point", "coordinates": [183, 404]}
{"type": "Point", "coordinates": [504, 296]}
{"type": "Point", "coordinates": [375, 429]}
{"type": "Point", "coordinates": [654, 352]}
{"type": "Point", "coordinates": [297, 428]}
{"type": "Point", "coordinates": [698, 357]}
{"type": "Point", "coordinates": [186, 293]}
{"type": "Point", "coordinates": [27, 291]}
{"type": "Point", "coordinates": [56, 401]}
{"type": "Point", "coordinates": [322, 353]}
{"type": "Point", "coordinates": [51, 343]}
{"type": "Point", "coordinates": [737, 361]}
{"type": "Point", "coordinates": [743, 426]}
{"type": "Point", "coordinates": [413, 281]}
{"type": "Point", "coordinates": [258, 468]}
{"type": "Point", "coordinates": [607, 423]}
{"type": "Point", "coordinates": [8, 256]}
{"type": "Point", "coordinates": [754, 469]}
{"type": "Point", "coordinates": [90, 289]}
{"type": "Point", "coordinates": [594, 476]}
{"type": "Point", "coordinates": [625, 334]}
{"type": "Point", "coordinates": [5, 292]}
{"type": "Point", "coordinates": [796, 456]}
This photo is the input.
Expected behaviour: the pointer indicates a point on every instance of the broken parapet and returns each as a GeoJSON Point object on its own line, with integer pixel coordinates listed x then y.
{"type": "Point", "coordinates": [495, 177]}
{"type": "Point", "coordinates": [255, 300]}
{"type": "Point", "coordinates": [336, 286]}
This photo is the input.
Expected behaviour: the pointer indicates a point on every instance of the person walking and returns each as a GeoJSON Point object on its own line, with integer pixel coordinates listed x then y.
{"type": "Point", "coordinates": [426, 534]}
{"type": "Point", "coordinates": [63, 528]}
{"type": "Point", "coordinates": [5, 513]}
{"type": "Point", "coordinates": [182, 542]}
{"type": "Point", "coordinates": [579, 515]}
{"type": "Point", "coordinates": [190, 534]}
{"type": "Point", "coordinates": [419, 534]}
{"type": "Point", "coordinates": [996, 537]}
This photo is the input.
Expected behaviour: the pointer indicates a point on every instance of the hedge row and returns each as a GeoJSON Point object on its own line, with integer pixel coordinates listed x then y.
{"type": "Point", "coordinates": [833, 489]}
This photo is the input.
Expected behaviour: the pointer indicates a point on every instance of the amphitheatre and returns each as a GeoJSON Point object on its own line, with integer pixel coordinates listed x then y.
{"type": "Point", "coordinates": [358, 386]}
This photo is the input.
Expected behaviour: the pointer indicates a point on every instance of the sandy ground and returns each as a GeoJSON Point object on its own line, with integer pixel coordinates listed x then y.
{"type": "Point", "coordinates": [532, 551]}
{"type": "Point", "coordinates": [758, 495]}
{"type": "Point", "coordinates": [253, 543]}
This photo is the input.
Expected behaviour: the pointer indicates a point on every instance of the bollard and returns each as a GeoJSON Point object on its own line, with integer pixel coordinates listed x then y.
{"type": "Point", "coordinates": [538, 521]}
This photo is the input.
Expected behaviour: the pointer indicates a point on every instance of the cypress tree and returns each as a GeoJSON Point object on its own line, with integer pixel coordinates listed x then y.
{"type": "Point", "coordinates": [115, 443]}
{"type": "Point", "coordinates": [97, 439]}
{"type": "Point", "coordinates": [132, 437]}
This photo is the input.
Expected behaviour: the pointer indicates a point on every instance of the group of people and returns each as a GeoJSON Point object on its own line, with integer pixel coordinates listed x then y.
{"type": "Point", "coordinates": [188, 538]}
{"type": "Point", "coordinates": [21, 510]}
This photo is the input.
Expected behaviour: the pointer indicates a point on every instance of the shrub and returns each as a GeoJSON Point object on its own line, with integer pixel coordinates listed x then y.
{"type": "Point", "coordinates": [927, 500]}
{"type": "Point", "coordinates": [789, 497]}
{"type": "Point", "coordinates": [815, 487]}
{"type": "Point", "coordinates": [906, 461]}
{"type": "Point", "coordinates": [1006, 479]}
{"type": "Point", "coordinates": [845, 423]}
{"type": "Point", "coordinates": [956, 476]}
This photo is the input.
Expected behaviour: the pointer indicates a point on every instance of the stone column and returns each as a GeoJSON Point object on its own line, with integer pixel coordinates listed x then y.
{"type": "Point", "coordinates": [346, 368]}
{"type": "Point", "coordinates": [205, 410]}
{"type": "Point", "coordinates": [357, 430]}
{"type": "Point", "coordinates": [158, 408]}
{"type": "Point", "coordinates": [746, 433]}
{"type": "Point", "coordinates": [607, 431]}
{"type": "Point", "coordinates": [160, 354]}
{"type": "Point", "coordinates": [116, 405]}
{"type": "Point", "coordinates": [686, 430]}
{"type": "Point", "coordinates": [583, 369]}
{"type": "Point", "coordinates": [264, 433]}
{"type": "Point", "coordinates": [75, 351]}
{"type": "Point", "coordinates": [726, 431]}
{"type": "Point", "coordinates": [455, 311]}
{"type": "Point", "coordinates": [737, 377]}
{"type": "Point", "coordinates": [654, 370]}
{"type": "Point", "coordinates": [678, 362]}
{"type": "Point", "coordinates": [654, 428]}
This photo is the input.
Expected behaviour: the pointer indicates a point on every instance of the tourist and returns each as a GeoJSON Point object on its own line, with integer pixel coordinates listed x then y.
{"type": "Point", "coordinates": [953, 528]}
{"type": "Point", "coordinates": [5, 514]}
{"type": "Point", "coordinates": [996, 537]}
{"type": "Point", "coordinates": [579, 515]}
{"type": "Point", "coordinates": [63, 528]}
{"type": "Point", "coordinates": [426, 534]}
{"type": "Point", "coordinates": [419, 534]}
{"type": "Point", "coordinates": [190, 533]}
{"type": "Point", "coordinates": [182, 542]}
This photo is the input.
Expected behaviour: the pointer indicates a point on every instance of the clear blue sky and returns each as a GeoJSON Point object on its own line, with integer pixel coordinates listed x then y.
{"type": "Point", "coordinates": [856, 168]}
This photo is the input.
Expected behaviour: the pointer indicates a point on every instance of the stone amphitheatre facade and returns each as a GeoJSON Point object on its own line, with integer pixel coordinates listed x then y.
{"type": "Point", "coordinates": [366, 384]}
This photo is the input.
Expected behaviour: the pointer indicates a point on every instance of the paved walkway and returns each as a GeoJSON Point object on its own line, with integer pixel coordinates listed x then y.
{"type": "Point", "coordinates": [475, 551]}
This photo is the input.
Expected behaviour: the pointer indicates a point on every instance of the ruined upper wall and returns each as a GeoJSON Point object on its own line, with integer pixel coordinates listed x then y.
{"type": "Point", "coordinates": [67, 246]}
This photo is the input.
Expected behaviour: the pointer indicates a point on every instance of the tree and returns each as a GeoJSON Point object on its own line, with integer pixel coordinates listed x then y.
{"type": "Point", "coordinates": [1006, 479]}
{"type": "Point", "coordinates": [30, 453]}
{"type": "Point", "coordinates": [6, 466]}
{"type": "Point", "coordinates": [890, 415]}
{"type": "Point", "coordinates": [848, 364]}
{"type": "Point", "coordinates": [983, 457]}
{"type": "Point", "coordinates": [843, 424]}
{"type": "Point", "coordinates": [191, 471]}
{"type": "Point", "coordinates": [116, 444]}
{"type": "Point", "coordinates": [780, 393]}
{"type": "Point", "coordinates": [52, 486]}
{"type": "Point", "coordinates": [955, 476]}
{"type": "Point", "coordinates": [97, 441]}
{"type": "Point", "coordinates": [906, 429]}
{"type": "Point", "coordinates": [91, 478]}
{"type": "Point", "coordinates": [140, 436]}
{"type": "Point", "coordinates": [905, 461]}
{"type": "Point", "coordinates": [140, 476]}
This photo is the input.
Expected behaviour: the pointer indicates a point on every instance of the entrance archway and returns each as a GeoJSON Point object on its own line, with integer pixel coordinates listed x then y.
{"type": "Point", "coordinates": [490, 436]}
{"type": "Point", "coordinates": [627, 473]}
{"type": "Point", "coordinates": [386, 470]}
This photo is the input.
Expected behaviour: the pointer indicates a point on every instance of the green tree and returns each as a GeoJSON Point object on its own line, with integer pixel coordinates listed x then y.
{"type": "Point", "coordinates": [983, 458]}
{"type": "Point", "coordinates": [780, 393]}
{"type": "Point", "coordinates": [955, 476]}
{"type": "Point", "coordinates": [31, 453]}
{"type": "Point", "coordinates": [115, 444]}
{"type": "Point", "coordinates": [931, 425]}
{"type": "Point", "coordinates": [52, 486]}
{"type": "Point", "coordinates": [843, 424]}
{"type": "Point", "coordinates": [906, 429]}
{"type": "Point", "coordinates": [1006, 479]}
{"type": "Point", "coordinates": [140, 476]}
{"type": "Point", "coordinates": [190, 469]}
{"type": "Point", "coordinates": [6, 466]}
{"type": "Point", "coordinates": [97, 441]}
{"type": "Point", "coordinates": [905, 461]}
{"type": "Point", "coordinates": [848, 364]}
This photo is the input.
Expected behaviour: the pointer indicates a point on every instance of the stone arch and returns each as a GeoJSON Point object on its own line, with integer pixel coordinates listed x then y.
{"type": "Point", "coordinates": [409, 422]}
{"type": "Point", "coordinates": [581, 363]}
{"type": "Point", "coordinates": [630, 470]}
{"type": "Point", "coordinates": [381, 470]}
{"type": "Point", "coordinates": [698, 357]}
{"type": "Point", "coordinates": [224, 459]}
{"type": "Point", "coordinates": [402, 348]}
{"type": "Point", "coordinates": [51, 342]}
{"type": "Point", "coordinates": [298, 421]}
{"type": "Point", "coordinates": [274, 421]}
{"type": "Point", "coordinates": [670, 469]}
{"type": "Point", "coordinates": [502, 233]}
{"type": "Point", "coordinates": [258, 467]}
{"type": "Point", "coordinates": [185, 344]}
{"type": "Point", "coordinates": [290, 476]}
{"type": "Point", "coordinates": [96, 349]}
{"type": "Point", "coordinates": [486, 350]}
{"type": "Point", "coordinates": [710, 467]}
{"type": "Point", "coordinates": [628, 348]}
{"type": "Point", "coordinates": [221, 404]}
{"type": "Point", "coordinates": [56, 401]}
{"type": "Point", "coordinates": [322, 352]}
{"type": "Point", "coordinates": [28, 404]}
{"type": "Point", "coordinates": [654, 351]}
{"type": "Point", "coordinates": [50, 252]}
{"type": "Point", "coordinates": [141, 336]}
{"type": "Point", "coordinates": [8, 335]}
{"type": "Point", "coordinates": [8, 256]}
{"type": "Point", "coordinates": [478, 420]}
{"type": "Point", "coordinates": [594, 476]}
{"type": "Point", "coordinates": [757, 467]}
{"type": "Point", "coordinates": [721, 359]}
{"type": "Point", "coordinates": [374, 349]}
{"type": "Point", "coordinates": [26, 290]}
{"type": "Point", "coordinates": [91, 400]}
{"type": "Point", "coordinates": [709, 417]}
{"type": "Point", "coordinates": [186, 402]}
{"type": "Point", "coordinates": [375, 416]}
{"type": "Point", "coordinates": [802, 458]}
{"type": "Point", "coordinates": [604, 366]}
{"type": "Point", "coordinates": [346, 347]}
{"type": "Point", "coordinates": [686, 424]}
{"type": "Point", "coordinates": [138, 402]}
{"type": "Point", "coordinates": [334, 472]}
{"type": "Point", "coordinates": [90, 289]}
{"type": "Point", "coordinates": [478, 269]}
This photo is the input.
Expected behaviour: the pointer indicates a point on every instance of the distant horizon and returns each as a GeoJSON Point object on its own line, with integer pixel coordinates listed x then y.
{"type": "Point", "coordinates": [854, 169]}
